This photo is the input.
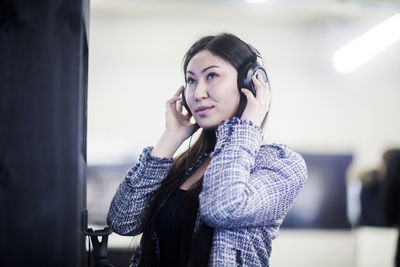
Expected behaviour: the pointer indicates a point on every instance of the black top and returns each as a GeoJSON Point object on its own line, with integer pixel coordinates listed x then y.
{"type": "Point", "coordinates": [169, 227]}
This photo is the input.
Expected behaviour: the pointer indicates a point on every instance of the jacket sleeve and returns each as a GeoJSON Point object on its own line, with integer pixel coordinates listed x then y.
{"type": "Point", "coordinates": [247, 187]}
{"type": "Point", "coordinates": [135, 191]}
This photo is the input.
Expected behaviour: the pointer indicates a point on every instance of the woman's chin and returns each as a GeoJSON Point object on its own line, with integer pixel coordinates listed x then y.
{"type": "Point", "coordinates": [206, 125]}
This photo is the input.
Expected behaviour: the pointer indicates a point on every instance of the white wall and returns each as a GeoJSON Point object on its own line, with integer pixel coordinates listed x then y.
{"type": "Point", "coordinates": [135, 65]}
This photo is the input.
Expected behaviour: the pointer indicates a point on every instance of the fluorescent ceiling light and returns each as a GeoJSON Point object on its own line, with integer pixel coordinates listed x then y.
{"type": "Point", "coordinates": [363, 48]}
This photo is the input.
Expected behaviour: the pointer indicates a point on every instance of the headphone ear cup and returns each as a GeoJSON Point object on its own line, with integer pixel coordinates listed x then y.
{"type": "Point", "coordinates": [184, 101]}
{"type": "Point", "coordinates": [260, 70]}
{"type": "Point", "coordinates": [243, 83]}
{"type": "Point", "coordinates": [243, 76]}
{"type": "Point", "coordinates": [245, 73]}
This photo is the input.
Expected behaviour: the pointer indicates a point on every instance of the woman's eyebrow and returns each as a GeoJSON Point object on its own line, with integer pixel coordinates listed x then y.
{"type": "Point", "coordinates": [204, 70]}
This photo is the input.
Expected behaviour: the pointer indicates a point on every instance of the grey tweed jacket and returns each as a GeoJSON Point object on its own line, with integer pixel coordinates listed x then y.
{"type": "Point", "coordinates": [247, 191]}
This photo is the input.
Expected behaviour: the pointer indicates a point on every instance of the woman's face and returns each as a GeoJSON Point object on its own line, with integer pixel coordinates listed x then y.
{"type": "Point", "coordinates": [211, 92]}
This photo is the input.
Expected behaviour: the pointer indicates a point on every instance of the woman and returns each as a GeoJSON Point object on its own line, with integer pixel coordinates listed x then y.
{"type": "Point", "coordinates": [221, 202]}
{"type": "Point", "coordinates": [390, 171]}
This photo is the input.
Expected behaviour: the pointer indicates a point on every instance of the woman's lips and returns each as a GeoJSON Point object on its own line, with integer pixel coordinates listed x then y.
{"type": "Point", "coordinates": [203, 110]}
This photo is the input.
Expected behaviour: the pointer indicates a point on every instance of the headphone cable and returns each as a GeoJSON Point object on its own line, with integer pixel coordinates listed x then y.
{"type": "Point", "coordinates": [188, 151]}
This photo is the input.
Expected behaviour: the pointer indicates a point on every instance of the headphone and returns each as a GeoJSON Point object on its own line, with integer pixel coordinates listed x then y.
{"type": "Point", "coordinates": [245, 73]}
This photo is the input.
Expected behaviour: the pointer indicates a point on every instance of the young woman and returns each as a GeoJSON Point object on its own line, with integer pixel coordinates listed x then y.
{"type": "Point", "coordinates": [222, 201]}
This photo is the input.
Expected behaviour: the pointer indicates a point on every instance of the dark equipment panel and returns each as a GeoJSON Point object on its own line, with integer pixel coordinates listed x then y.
{"type": "Point", "coordinates": [43, 110]}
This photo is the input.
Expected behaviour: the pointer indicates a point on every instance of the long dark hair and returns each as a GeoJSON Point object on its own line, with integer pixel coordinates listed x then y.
{"type": "Point", "coordinates": [236, 52]}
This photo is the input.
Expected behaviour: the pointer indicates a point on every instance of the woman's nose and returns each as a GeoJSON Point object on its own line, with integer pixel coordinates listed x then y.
{"type": "Point", "coordinates": [201, 90]}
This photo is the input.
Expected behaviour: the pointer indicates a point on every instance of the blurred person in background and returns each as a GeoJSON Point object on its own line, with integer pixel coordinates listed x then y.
{"type": "Point", "coordinates": [221, 202]}
{"type": "Point", "coordinates": [370, 199]}
{"type": "Point", "coordinates": [390, 170]}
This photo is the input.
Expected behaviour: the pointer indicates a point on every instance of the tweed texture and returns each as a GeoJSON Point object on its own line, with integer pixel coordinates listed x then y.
{"type": "Point", "coordinates": [247, 190]}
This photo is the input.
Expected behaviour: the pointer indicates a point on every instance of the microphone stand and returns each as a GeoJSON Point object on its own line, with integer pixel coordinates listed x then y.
{"type": "Point", "coordinates": [99, 247]}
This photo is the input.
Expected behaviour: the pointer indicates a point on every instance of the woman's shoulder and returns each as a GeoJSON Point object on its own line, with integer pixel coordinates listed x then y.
{"type": "Point", "coordinates": [278, 154]}
{"type": "Point", "coordinates": [282, 161]}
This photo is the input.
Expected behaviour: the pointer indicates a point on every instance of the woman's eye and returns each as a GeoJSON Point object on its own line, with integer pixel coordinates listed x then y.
{"type": "Point", "coordinates": [211, 75]}
{"type": "Point", "coordinates": [190, 80]}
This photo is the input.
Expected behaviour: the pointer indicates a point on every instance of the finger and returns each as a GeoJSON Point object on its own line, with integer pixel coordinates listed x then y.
{"type": "Point", "coordinates": [179, 106]}
{"type": "Point", "coordinates": [267, 85]}
{"type": "Point", "coordinates": [249, 95]}
{"type": "Point", "coordinates": [171, 103]}
{"type": "Point", "coordinates": [267, 97]}
{"type": "Point", "coordinates": [260, 78]}
{"type": "Point", "coordinates": [188, 116]}
{"type": "Point", "coordinates": [260, 85]}
{"type": "Point", "coordinates": [267, 88]}
{"type": "Point", "coordinates": [257, 82]}
{"type": "Point", "coordinates": [179, 91]}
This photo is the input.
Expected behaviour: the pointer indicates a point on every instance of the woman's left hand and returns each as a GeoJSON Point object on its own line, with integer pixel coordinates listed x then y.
{"type": "Point", "coordinates": [257, 106]}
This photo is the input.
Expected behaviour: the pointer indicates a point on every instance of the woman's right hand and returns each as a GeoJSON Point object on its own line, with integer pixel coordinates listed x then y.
{"type": "Point", "coordinates": [177, 123]}
{"type": "Point", "coordinates": [177, 128]}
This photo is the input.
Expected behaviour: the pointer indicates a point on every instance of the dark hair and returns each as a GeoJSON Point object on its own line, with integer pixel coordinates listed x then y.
{"type": "Point", "coordinates": [205, 143]}
{"type": "Point", "coordinates": [236, 52]}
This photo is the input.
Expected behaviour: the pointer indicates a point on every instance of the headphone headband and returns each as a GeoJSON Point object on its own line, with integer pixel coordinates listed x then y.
{"type": "Point", "coordinates": [259, 58]}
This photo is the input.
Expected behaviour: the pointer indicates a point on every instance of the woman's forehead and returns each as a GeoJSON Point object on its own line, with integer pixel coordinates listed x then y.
{"type": "Point", "coordinates": [205, 59]}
